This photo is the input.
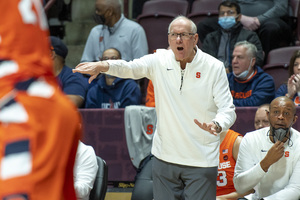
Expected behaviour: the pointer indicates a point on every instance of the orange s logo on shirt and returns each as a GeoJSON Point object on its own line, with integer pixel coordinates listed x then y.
{"type": "Point", "coordinates": [198, 74]}
{"type": "Point", "coordinates": [149, 129]}
{"type": "Point", "coordinates": [286, 153]}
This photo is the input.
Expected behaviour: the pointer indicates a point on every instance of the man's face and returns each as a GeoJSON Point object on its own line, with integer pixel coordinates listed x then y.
{"type": "Point", "coordinates": [100, 10]}
{"type": "Point", "coordinates": [240, 60]}
{"type": "Point", "coordinates": [261, 119]}
{"type": "Point", "coordinates": [182, 45]}
{"type": "Point", "coordinates": [282, 114]}
{"type": "Point", "coordinates": [228, 11]}
{"type": "Point", "coordinates": [110, 54]}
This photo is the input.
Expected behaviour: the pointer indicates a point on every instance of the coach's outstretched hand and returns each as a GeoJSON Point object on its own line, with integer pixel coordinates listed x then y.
{"type": "Point", "coordinates": [92, 68]}
{"type": "Point", "coordinates": [210, 127]}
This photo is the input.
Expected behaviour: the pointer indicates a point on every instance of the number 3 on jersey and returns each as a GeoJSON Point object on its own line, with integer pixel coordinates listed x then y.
{"type": "Point", "coordinates": [221, 180]}
{"type": "Point", "coordinates": [30, 16]}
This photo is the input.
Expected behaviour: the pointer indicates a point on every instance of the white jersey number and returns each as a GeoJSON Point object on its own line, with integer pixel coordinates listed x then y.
{"type": "Point", "coordinates": [29, 16]}
{"type": "Point", "coordinates": [222, 179]}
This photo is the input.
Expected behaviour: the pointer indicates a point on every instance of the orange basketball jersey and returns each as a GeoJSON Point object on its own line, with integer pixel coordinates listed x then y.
{"type": "Point", "coordinates": [24, 42]}
{"type": "Point", "coordinates": [227, 163]}
{"type": "Point", "coordinates": [39, 133]}
{"type": "Point", "coordinates": [39, 126]}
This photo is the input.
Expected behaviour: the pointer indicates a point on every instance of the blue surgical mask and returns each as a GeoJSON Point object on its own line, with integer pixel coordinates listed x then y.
{"type": "Point", "coordinates": [244, 74]}
{"type": "Point", "coordinates": [227, 22]}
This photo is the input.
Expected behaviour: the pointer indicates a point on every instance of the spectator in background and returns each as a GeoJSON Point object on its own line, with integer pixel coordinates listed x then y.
{"type": "Point", "coordinates": [75, 86]}
{"type": "Point", "coordinates": [249, 84]}
{"type": "Point", "coordinates": [261, 119]}
{"type": "Point", "coordinates": [229, 149]}
{"type": "Point", "coordinates": [220, 43]}
{"type": "Point", "coordinates": [48, 4]}
{"type": "Point", "coordinates": [291, 89]}
{"type": "Point", "coordinates": [137, 7]}
{"type": "Point", "coordinates": [262, 16]}
{"type": "Point", "coordinates": [269, 158]}
{"type": "Point", "coordinates": [114, 31]}
{"type": "Point", "coordinates": [39, 126]}
{"type": "Point", "coordinates": [113, 92]}
{"type": "Point", "coordinates": [85, 171]}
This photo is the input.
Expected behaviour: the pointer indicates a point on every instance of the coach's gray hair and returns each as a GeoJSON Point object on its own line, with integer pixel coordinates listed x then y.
{"type": "Point", "coordinates": [193, 25]}
{"type": "Point", "coordinates": [251, 48]}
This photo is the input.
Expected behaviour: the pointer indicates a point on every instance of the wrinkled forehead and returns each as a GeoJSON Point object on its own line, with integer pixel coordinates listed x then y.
{"type": "Point", "coordinates": [100, 4]}
{"type": "Point", "coordinates": [261, 112]}
{"type": "Point", "coordinates": [180, 25]}
{"type": "Point", "coordinates": [282, 105]}
{"type": "Point", "coordinates": [110, 53]}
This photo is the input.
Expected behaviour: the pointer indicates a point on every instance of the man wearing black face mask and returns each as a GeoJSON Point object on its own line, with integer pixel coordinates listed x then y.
{"type": "Point", "coordinates": [269, 158]}
{"type": "Point", "coordinates": [114, 31]}
{"type": "Point", "coordinates": [220, 43]}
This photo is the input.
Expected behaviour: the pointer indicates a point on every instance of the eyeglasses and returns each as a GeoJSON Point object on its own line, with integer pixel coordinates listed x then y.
{"type": "Point", "coordinates": [109, 58]}
{"type": "Point", "coordinates": [184, 36]}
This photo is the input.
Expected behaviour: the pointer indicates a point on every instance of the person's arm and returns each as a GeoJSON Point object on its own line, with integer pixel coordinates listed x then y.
{"type": "Point", "coordinates": [48, 5]}
{"type": "Point", "coordinates": [292, 189]}
{"type": "Point", "coordinates": [209, 127]}
{"type": "Point", "coordinates": [281, 91]}
{"type": "Point", "coordinates": [136, 69]}
{"type": "Point", "coordinates": [279, 9]}
{"type": "Point", "coordinates": [263, 92]}
{"type": "Point", "coordinates": [77, 100]}
{"type": "Point", "coordinates": [248, 174]}
{"type": "Point", "coordinates": [75, 87]}
{"type": "Point", "coordinates": [293, 85]}
{"type": "Point", "coordinates": [91, 49]}
{"type": "Point", "coordinates": [85, 171]}
{"type": "Point", "coordinates": [225, 116]}
{"type": "Point", "coordinates": [235, 195]}
{"type": "Point", "coordinates": [92, 68]}
{"type": "Point", "coordinates": [91, 100]}
{"type": "Point", "coordinates": [131, 94]}
{"type": "Point", "coordinates": [223, 99]}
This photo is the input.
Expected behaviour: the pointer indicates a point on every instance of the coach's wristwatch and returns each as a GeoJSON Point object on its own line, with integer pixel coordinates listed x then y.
{"type": "Point", "coordinates": [219, 128]}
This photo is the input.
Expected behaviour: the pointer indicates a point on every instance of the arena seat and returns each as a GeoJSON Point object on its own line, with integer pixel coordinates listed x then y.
{"type": "Point", "coordinates": [156, 17]}
{"type": "Point", "coordinates": [278, 62]}
{"type": "Point", "coordinates": [202, 9]}
{"type": "Point", "coordinates": [100, 185]}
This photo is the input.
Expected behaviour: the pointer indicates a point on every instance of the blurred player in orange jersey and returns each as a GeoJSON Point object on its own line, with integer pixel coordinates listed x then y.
{"type": "Point", "coordinates": [39, 127]}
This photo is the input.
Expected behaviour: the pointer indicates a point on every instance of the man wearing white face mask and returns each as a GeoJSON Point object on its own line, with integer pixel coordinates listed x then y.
{"type": "Point", "coordinates": [220, 43]}
{"type": "Point", "coordinates": [248, 83]}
